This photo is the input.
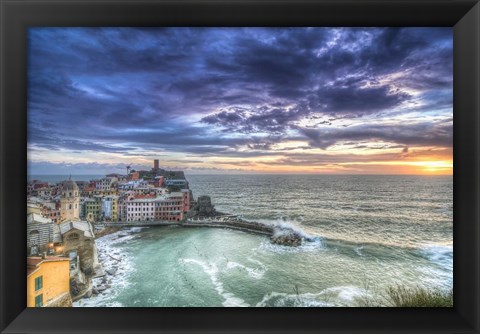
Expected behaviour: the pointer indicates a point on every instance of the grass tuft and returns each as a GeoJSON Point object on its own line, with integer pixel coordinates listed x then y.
{"type": "Point", "coordinates": [401, 296]}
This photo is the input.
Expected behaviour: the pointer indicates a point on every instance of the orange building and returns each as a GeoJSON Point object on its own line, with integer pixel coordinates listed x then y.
{"type": "Point", "coordinates": [48, 281]}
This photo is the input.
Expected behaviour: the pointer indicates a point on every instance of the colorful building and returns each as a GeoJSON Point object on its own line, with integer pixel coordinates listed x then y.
{"type": "Point", "coordinates": [48, 282]}
{"type": "Point", "coordinates": [141, 207]}
{"type": "Point", "coordinates": [110, 208]}
{"type": "Point", "coordinates": [93, 209]}
{"type": "Point", "coordinates": [78, 240]}
{"type": "Point", "coordinates": [171, 207]}
{"type": "Point", "coordinates": [42, 234]}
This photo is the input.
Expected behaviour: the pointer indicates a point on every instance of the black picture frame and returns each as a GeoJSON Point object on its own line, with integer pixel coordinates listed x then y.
{"type": "Point", "coordinates": [463, 15]}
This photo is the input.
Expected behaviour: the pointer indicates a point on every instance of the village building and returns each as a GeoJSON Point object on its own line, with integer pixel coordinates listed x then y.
{"type": "Point", "coordinates": [110, 208]}
{"type": "Point", "coordinates": [78, 240]}
{"type": "Point", "coordinates": [42, 234]}
{"type": "Point", "coordinates": [93, 209]}
{"type": "Point", "coordinates": [141, 207]}
{"type": "Point", "coordinates": [69, 201]}
{"type": "Point", "coordinates": [48, 282]}
{"type": "Point", "coordinates": [34, 208]}
{"type": "Point", "coordinates": [171, 207]}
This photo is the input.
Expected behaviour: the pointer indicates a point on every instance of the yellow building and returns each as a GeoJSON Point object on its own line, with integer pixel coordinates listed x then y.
{"type": "Point", "coordinates": [48, 281]}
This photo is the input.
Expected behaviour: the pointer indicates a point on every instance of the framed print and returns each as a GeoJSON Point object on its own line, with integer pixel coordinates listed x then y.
{"type": "Point", "coordinates": [240, 166]}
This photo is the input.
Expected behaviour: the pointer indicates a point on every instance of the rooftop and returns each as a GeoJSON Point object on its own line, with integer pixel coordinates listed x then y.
{"type": "Point", "coordinates": [36, 218]}
{"type": "Point", "coordinates": [33, 262]}
{"type": "Point", "coordinates": [79, 225]}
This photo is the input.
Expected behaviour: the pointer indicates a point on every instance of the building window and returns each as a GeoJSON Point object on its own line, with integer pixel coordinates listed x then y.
{"type": "Point", "coordinates": [38, 283]}
{"type": "Point", "coordinates": [70, 206]}
{"type": "Point", "coordinates": [39, 300]}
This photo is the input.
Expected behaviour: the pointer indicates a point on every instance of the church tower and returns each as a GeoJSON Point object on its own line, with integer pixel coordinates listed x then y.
{"type": "Point", "coordinates": [69, 201]}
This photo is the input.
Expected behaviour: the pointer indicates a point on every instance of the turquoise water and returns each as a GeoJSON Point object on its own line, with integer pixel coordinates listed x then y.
{"type": "Point", "coordinates": [370, 232]}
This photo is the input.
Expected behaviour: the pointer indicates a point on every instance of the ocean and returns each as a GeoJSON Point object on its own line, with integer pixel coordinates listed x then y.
{"type": "Point", "coordinates": [369, 233]}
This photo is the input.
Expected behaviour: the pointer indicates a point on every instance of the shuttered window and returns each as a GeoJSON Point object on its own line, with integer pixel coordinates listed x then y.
{"type": "Point", "coordinates": [38, 283]}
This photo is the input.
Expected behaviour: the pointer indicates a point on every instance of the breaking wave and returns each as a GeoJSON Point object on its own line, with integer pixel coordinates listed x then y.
{"type": "Point", "coordinates": [211, 269]}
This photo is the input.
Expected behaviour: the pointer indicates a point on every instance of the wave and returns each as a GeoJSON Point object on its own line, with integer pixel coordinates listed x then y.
{"type": "Point", "coordinates": [441, 255]}
{"type": "Point", "coordinates": [252, 272]}
{"type": "Point", "coordinates": [339, 296]}
{"type": "Point", "coordinates": [211, 269]}
{"type": "Point", "coordinates": [359, 249]}
{"type": "Point", "coordinates": [281, 223]}
{"type": "Point", "coordinates": [316, 244]}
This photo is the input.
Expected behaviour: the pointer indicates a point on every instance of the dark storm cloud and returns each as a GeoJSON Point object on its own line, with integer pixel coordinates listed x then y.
{"type": "Point", "coordinates": [211, 90]}
{"type": "Point", "coordinates": [418, 134]}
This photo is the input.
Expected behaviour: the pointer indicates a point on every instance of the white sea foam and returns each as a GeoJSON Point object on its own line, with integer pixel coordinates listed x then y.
{"type": "Point", "coordinates": [311, 246]}
{"type": "Point", "coordinates": [138, 229]}
{"type": "Point", "coordinates": [211, 269]}
{"type": "Point", "coordinates": [281, 299]}
{"type": "Point", "coordinates": [252, 272]}
{"type": "Point", "coordinates": [358, 250]}
{"type": "Point", "coordinates": [441, 255]}
{"type": "Point", "coordinates": [287, 224]}
{"type": "Point", "coordinates": [441, 273]}
{"type": "Point", "coordinates": [110, 258]}
{"type": "Point", "coordinates": [335, 296]}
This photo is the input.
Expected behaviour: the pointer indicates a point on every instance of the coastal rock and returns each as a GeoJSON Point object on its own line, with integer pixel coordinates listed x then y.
{"type": "Point", "coordinates": [202, 208]}
{"type": "Point", "coordinates": [111, 271]}
{"type": "Point", "coordinates": [101, 288]}
{"type": "Point", "coordinates": [286, 237]}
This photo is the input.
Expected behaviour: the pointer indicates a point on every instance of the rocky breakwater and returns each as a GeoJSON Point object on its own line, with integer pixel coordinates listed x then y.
{"type": "Point", "coordinates": [286, 236]}
{"type": "Point", "coordinates": [203, 213]}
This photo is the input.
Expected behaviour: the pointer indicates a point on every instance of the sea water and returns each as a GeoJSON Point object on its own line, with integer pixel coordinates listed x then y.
{"type": "Point", "coordinates": [368, 233]}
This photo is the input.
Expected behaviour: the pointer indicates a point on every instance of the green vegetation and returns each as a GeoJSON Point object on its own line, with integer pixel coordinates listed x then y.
{"type": "Point", "coordinates": [401, 296]}
{"type": "Point", "coordinates": [394, 296]}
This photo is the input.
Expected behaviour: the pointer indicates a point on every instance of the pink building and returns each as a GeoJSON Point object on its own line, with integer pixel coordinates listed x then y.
{"type": "Point", "coordinates": [171, 207]}
{"type": "Point", "coordinates": [142, 208]}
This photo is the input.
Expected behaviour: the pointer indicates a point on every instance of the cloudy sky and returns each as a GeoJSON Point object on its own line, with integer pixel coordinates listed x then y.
{"type": "Point", "coordinates": [233, 100]}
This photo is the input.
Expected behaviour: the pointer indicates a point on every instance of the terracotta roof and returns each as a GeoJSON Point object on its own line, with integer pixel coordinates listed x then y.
{"type": "Point", "coordinates": [34, 261]}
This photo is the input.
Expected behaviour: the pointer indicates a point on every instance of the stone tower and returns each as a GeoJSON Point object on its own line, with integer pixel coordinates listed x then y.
{"type": "Point", "coordinates": [69, 201]}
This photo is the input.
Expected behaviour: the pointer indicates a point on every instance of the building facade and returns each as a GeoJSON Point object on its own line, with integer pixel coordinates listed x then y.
{"type": "Point", "coordinates": [110, 208]}
{"type": "Point", "coordinates": [93, 209]}
{"type": "Point", "coordinates": [48, 282]}
{"type": "Point", "coordinates": [78, 240]}
{"type": "Point", "coordinates": [170, 207]}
